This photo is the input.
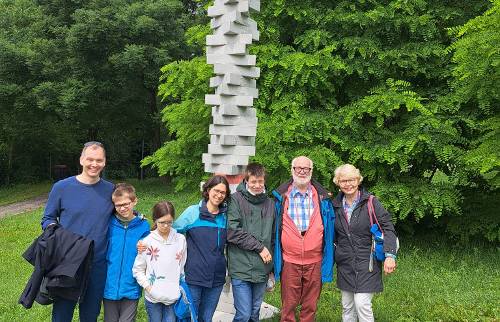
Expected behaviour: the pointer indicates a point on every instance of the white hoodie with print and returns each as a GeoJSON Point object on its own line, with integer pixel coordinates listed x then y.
{"type": "Point", "coordinates": [161, 266]}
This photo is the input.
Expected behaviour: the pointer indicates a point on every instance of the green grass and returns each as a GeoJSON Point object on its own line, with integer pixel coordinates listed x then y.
{"type": "Point", "coordinates": [434, 281]}
{"type": "Point", "coordinates": [23, 192]}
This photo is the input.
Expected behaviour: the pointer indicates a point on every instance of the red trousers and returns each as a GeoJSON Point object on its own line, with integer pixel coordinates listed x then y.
{"type": "Point", "coordinates": [300, 284]}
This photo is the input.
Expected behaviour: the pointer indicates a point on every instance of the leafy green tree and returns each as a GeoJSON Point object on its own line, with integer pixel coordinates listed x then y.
{"type": "Point", "coordinates": [85, 70]}
{"type": "Point", "coordinates": [364, 82]}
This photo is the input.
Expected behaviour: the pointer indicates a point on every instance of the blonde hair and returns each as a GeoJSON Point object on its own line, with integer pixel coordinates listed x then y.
{"type": "Point", "coordinates": [346, 169]}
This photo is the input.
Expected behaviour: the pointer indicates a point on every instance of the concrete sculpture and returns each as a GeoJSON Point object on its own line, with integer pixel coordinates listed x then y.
{"type": "Point", "coordinates": [234, 125]}
{"type": "Point", "coordinates": [232, 133]}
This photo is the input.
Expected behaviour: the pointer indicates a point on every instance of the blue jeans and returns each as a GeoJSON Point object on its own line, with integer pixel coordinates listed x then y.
{"type": "Point", "coordinates": [248, 297]}
{"type": "Point", "coordinates": [90, 307]}
{"type": "Point", "coordinates": [205, 301]}
{"type": "Point", "coordinates": [159, 312]}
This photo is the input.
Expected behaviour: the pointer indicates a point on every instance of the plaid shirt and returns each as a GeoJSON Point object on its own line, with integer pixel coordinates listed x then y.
{"type": "Point", "coordinates": [301, 207]}
{"type": "Point", "coordinates": [348, 210]}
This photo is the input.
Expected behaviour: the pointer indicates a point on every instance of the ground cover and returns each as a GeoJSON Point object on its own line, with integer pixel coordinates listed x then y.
{"type": "Point", "coordinates": [435, 281]}
{"type": "Point", "coordinates": [17, 193]}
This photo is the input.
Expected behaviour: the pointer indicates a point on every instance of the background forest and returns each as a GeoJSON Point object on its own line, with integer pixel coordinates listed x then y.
{"type": "Point", "coordinates": [407, 90]}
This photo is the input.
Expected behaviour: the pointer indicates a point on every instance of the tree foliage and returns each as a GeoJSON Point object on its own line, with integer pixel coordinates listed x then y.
{"type": "Point", "coordinates": [85, 70]}
{"type": "Point", "coordinates": [373, 83]}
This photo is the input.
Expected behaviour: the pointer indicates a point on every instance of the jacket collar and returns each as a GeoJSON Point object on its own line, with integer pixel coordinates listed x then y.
{"type": "Point", "coordinates": [337, 202]}
{"type": "Point", "coordinates": [206, 215]}
{"type": "Point", "coordinates": [138, 217]}
{"type": "Point", "coordinates": [253, 199]}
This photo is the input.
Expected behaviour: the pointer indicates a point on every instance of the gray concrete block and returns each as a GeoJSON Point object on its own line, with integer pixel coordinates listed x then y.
{"type": "Point", "coordinates": [232, 79]}
{"type": "Point", "coordinates": [229, 16]}
{"type": "Point", "coordinates": [232, 140]}
{"type": "Point", "coordinates": [224, 168]}
{"type": "Point", "coordinates": [225, 89]}
{"type": "Point", "coordinates": [231, 149]}
{"type": "Point", "coordinates": [252, 72]}
{"type": "Point", "coordinates": [225, 159]}
{"type": "Point", "coordinates": [228, 49]}
{"type": "Point", "coordinates": [234, 120]}
{"type": "Point", "coordinates": [240, 60]}
{"type": "Point", "coordinates": [234, 110]}
{"type": "Point", "coordinates": [219, 40]}
{"type": "Point", "coordinates": [240, 130]}
{"type": "Point", "coordinates": [233, 28]}
{"type": "Point", "coordinates": [216, 99]}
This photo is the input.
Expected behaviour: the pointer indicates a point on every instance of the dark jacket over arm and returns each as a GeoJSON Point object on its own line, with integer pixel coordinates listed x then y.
{"type": "Point", "coordinates": [61, 259]}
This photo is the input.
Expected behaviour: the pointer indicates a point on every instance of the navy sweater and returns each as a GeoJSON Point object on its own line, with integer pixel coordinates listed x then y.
{"type": "Point", "coordinates": [84, 209]}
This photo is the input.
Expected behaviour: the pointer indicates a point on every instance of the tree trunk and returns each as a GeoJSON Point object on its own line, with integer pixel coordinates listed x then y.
{"type": "Point", "coordinates": [153, 108]}
{"type": "Point", "coordinates": [10, 156]}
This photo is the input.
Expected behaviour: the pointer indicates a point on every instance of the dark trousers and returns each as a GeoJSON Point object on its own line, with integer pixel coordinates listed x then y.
{"type": "Point", "coordinates": [300, 284]}
{"type": "Point", "coordinates": [90, 307]}
{"type": "Point", "coordinates": [123, 310]}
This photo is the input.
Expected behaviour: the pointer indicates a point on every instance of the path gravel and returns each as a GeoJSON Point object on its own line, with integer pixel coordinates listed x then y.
{"type": "Point", "coordinates": [23, 206]}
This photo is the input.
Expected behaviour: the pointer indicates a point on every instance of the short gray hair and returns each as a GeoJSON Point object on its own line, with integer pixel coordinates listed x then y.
{"type": "Point", "coordinates": [303, 156]}
{"type": "Point", "coordinates": [345, 169]}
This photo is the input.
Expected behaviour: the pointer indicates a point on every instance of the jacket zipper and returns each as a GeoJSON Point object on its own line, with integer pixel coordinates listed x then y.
{"type": "Point", "coordinates": [121, 264]}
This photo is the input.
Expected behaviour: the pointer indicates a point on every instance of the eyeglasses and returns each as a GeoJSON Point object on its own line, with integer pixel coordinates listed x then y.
{"type": "Point", "coordinates": [165, 223]}
{"type": "Point", "coordinates": [348, 181]}
{"type": "Point", "coordinates": [123, 205]}
{"type": "Point", "coordinates": [220, 192]}
{"type": "Point", "coordinates": [304, 170]}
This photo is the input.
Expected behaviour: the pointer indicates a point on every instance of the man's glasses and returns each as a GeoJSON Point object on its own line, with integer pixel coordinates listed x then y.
{"type": "Point", "coordinates": [304, 170]}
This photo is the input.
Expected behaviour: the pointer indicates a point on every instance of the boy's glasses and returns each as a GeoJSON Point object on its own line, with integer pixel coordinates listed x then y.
{"type": "Point", "coordinates": [123, 205]}
{"type": "Point", "coordinates": [165, 223]}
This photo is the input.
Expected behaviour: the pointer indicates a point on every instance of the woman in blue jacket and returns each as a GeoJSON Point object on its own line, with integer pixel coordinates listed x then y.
{"type": "Point", "coordinates": [205, 227]}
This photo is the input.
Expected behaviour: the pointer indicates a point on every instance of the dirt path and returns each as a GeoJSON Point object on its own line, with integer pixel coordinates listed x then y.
{"type": "Point", "coordinates": [23, 206]}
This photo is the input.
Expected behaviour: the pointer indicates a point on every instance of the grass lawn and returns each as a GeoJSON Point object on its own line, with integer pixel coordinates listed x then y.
{"type": "Point", "coordinates": [23, 192]}
{"type": "Point", "coordinates": [434, 281]}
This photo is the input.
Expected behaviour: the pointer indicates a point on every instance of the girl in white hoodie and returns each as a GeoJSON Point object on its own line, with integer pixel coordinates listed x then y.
{"type": "Point", "coordinates": [159, 268]}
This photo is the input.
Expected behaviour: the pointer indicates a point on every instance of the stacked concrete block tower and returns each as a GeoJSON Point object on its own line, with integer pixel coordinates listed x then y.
{"type": "Point", "coordinates": [234, 125]}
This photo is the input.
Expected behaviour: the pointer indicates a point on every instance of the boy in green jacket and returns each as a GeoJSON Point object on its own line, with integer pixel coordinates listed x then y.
{"type": "Point", "coordinates": [250, 239]}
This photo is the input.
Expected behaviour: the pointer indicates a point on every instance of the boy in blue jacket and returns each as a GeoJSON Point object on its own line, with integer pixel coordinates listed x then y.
{"type": "Point", "coordinates": [126, 228]}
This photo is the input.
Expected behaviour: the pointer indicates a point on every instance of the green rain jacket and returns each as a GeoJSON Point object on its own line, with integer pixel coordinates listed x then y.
{"type": "Point", "coordinates": [250, 229]}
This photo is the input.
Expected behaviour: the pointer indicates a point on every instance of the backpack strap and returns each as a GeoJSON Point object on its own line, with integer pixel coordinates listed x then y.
{"type": "Point", "coordinates": [371, 213]}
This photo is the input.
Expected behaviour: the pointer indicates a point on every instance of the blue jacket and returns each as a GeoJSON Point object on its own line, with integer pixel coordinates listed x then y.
{"type": "Point", "coordinates": [122, 250]}
{"type": "Point", "coordinates": [206, 240]}
{"type": "Point", "coordinates": [328, 217]}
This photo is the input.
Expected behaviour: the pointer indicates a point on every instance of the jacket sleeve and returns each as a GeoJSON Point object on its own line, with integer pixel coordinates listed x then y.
{"type": "Point", "coordinates": [52, 209]}
{"type": "Point", "coordinates": [384, 219]}
{"type": "Point", "coordinates": [235, 234]}
{"type": "Point", "coordinates": [186, 219]}
{"type": "Point", "coordinates": [183, 255]}
{"type": "Point", "coordinates": [139, 270]}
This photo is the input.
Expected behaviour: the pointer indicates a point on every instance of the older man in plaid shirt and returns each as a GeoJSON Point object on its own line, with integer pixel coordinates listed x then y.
{"type": "Point", "coordinates": [304, 233]}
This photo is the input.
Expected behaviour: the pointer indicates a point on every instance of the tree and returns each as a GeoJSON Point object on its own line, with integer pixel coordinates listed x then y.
{"type": "Point", "coordinates": [364, 82]}
{"type": "Point", "coordinates": [85, 70]}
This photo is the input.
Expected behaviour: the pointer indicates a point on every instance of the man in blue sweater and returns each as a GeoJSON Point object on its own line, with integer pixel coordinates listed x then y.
{"type": "Point", "coordinates": [82, 204]}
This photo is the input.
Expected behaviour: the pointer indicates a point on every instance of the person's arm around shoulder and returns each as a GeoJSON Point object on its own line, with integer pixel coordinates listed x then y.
{"type": "Point", "coordinates": [52, 209]}
{"type": "Point", "coordinates": [183, 253]}
{"type": "Point", "coordinates": [186, 219]}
